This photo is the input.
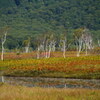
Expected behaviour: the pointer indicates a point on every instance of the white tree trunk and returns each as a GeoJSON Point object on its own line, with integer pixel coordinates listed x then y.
{"type": "Point", "coordinates": [79, 48]}
{"type": "Point", "coordinates": [43, 50]}
{"type": "Point", "coordinates": [49, 53]}
{"type": "Point", "coordinates": [2, 53]}
{"type": "Point", "coordinates": [99, 43]}
{"type": "Point", "coordinates": [46, 51]}
{"type": "Point", "coordinates": [27, 48]}
{"type": "Point", "coordinates": [38, 53]}
{"type": "Point", "coordinates": [54, 47]}
{"type": "Point", "coordinates": [3, 41]}
{"type": "Point", "coordinates": [86, 51]}
{"type": "Point", "coordinates": [78, 53]}
{"type": "Point", "coordinates": [64, 49]}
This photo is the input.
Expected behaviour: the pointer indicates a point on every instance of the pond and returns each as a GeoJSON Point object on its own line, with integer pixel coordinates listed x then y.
{"type": "Point", "coordinates": [52, 82]}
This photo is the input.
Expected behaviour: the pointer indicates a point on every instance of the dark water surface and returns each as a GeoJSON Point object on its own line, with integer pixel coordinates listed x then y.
{"type": "Point", "coordinates": [52, 82]}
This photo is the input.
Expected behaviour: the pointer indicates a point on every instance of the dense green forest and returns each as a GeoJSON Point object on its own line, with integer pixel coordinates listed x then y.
{"type": "Point", "coordinates": [30, 18]}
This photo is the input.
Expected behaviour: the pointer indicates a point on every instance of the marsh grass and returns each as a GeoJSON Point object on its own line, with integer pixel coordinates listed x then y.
{"type": "Point", "coordinates": [8, 92]}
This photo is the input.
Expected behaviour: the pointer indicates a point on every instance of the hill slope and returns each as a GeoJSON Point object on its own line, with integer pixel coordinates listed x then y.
{"type": "Point", "coordinates": [32, 17]}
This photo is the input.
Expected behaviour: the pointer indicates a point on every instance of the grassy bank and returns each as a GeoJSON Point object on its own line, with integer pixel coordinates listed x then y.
{"type": "Point", "coordinates": [8, 92]}
{"type": "Point", "coordinates": [70, 67]}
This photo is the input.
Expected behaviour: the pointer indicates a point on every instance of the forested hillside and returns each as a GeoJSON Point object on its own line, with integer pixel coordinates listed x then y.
{"type": "Point", "coordinates": [28, 18]}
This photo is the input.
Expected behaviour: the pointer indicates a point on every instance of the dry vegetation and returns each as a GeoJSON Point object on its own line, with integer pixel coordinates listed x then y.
{"type": "Point", "coordinates": [69, 67]}
{"type": "Point", "coordinates": [8, 92]}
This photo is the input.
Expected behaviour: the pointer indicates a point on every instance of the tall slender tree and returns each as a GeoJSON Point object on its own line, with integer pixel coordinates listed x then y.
{"type": "Point", "coordinates": [78, 40]}
{"type": "Point", "coordinates": [3, 37]}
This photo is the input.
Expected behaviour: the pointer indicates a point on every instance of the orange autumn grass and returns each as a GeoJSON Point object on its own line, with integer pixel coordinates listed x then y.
{"type": "Point", "coordinates": [70, 67]}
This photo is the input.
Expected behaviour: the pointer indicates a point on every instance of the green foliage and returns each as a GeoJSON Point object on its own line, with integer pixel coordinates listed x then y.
{"type": "Point", "coordinates": [32, 17]}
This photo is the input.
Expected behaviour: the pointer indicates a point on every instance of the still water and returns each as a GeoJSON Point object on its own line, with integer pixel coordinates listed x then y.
{"type": "Point", "coordinates": [52, 82]}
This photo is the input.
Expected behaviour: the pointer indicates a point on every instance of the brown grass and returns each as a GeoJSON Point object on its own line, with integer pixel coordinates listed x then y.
{"type": "Point", "coordinates": [8, 92]}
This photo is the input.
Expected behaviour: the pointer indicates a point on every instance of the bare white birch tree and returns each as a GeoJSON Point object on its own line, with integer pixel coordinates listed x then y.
{"type": "Point", "coordinates": [3, 40]}
{"type": "Point", "coordinates": [52, 43]}
{"type": "Point", "coordinates": [83, 40]}
{"type": "Point", "coordinates": [38, 52]}
{"type": "Point", "coordinates": [54, 46]}
{"type": "Point", "coordinates": [87, 40]}
{"type": "Point", "coordinates": [49, 43]}
{"type": "Point", "coordinates": [3, 37]}
{"type": "Point", "coordinates": [40, 42]}
{"type": "Point", "coordinates": [63, 43]}
{"type": "Point", "coordinates": [79, 46]}
{"type": "Point", "coordinates": [78, 40]}
{"type": "Point", "coordinates": [26, 43]}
